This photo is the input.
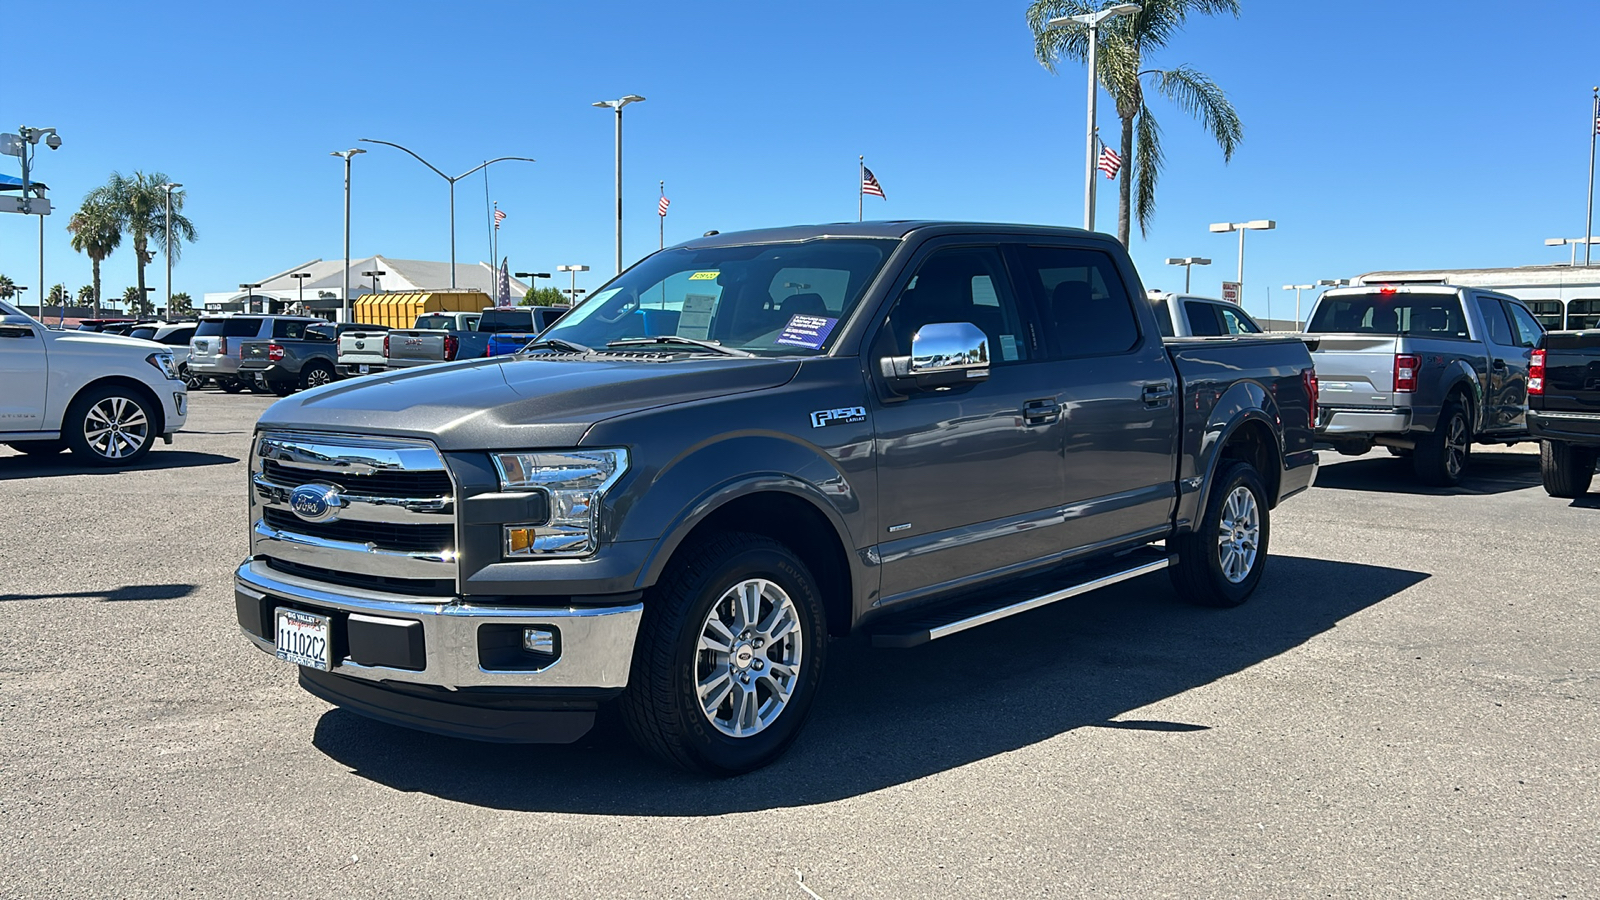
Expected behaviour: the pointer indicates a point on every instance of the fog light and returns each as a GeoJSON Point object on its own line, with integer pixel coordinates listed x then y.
{"type": "Point", "coordinates": [539, 640]}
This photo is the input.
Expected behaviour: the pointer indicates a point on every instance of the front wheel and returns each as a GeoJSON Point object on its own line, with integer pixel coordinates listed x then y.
{"type": "Point", "coordinates": [729, 656]}
{"type": "Point", "coordinates": [1220, 561]}
{"type": "Point", "coordinates": [1442, 454]}
{"type": "Point", "coordinates": [110, 426]}
{"type": "Point", "coordinates": [1567, 469]}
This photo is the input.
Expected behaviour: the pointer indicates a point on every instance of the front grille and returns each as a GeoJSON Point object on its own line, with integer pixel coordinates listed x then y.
{"type": "Point", "coordinates": [379, 484]}
{"type": "Point", "coordinates": [383, 535]}
{"type": "Point", "coordinates": [416, 587]}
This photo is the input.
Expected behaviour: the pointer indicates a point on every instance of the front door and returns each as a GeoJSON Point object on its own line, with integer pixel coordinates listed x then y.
{"type": "Point", "coordinates": [22, 371]}
{"type": "Point", "coordinates": [969, 477]}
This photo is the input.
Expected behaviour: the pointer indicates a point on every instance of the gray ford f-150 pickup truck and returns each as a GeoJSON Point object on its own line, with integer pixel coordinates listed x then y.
{"type": "Point", "coordinates": [741, 447]}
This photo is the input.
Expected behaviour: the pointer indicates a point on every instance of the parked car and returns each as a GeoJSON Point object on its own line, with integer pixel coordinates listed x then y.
{"type": "Point", "coordinates": [1425, 370]}
{"type": "Point", "coordinates": [360, 350]}
{"type": "Point", "coordinates": [1185, 315]}
{"type": "Point", "coordinates": [99, 325]}
{"type": "Point", "coordinates": [214, 352]}
{"type": "Point", "coordinates": [285, 365]}
{"type": "Point", "coordinates": [104, 397]}
{"type": "Point", "coordinates": [436, 337]}
{"type": "Point", "coordinates": [1564, 409]}
{"type": "Point", "coordinates": [698, 476]}
{"type": "Point", "coordinates": [175, 336]}
{"type": "Point", "coordinates": [511, 336]}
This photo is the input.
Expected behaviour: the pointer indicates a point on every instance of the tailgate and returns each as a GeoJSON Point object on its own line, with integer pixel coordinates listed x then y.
{"type": "Point", "coordinates": [204, 347]}
{"type": "Point", "coordinates": [416, 345]}
{"type": "Point", "coordinates": [254, 354]}
{"type": "Point", "coordinates": [361, 348]}
{"type": "Point", "coordinates": [504, 343]}
{"type": "Point", "coordinates": [1355, 371]}
{"type": "Point", "coordinates": [1571, 372]}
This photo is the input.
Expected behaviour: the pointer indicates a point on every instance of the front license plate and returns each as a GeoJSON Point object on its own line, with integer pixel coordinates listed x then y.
{"type": "Point", "coordinates": [363, 369]}
{"type": "Point", "coordinates": [303, 639]}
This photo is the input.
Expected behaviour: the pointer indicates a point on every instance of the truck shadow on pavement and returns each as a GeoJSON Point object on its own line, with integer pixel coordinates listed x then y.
{"type": "Point", "coordinates": [888, 717]}
{"type": "Point", "coordinates": [1487, 473]}
{"type": "Point", "coordinates": [20, 466]}
{"type": "Point", "coordinates": [115, 595]}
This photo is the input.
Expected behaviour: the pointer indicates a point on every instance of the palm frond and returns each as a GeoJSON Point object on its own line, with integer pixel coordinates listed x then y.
{"type": "Point", "coordinates": [1147, 162]}
{"type": "Point", "coordinates": [1199, 96]}
{"type": "Point", "coordinates": [1051, 44]}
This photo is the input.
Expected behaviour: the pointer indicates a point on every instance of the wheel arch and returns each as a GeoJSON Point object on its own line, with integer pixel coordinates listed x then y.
{"type": "Point", "coordinates": [1252, 437]}
{"type": "Point", "coordinates": [158, 409]}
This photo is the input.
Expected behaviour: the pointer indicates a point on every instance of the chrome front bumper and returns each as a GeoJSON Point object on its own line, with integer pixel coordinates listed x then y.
{"type": "Point", "coordinates": [596, 644]}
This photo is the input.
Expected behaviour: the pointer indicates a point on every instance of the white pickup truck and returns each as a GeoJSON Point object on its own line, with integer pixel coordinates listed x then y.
{"type": "Point", "coordinates": [105, 397]}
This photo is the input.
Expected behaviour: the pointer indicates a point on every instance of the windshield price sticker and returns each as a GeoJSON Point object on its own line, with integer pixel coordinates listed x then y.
{"type": "Point", "coordinates": [704, 276]}
{"type": "Point", "coordinates": [807, 331]}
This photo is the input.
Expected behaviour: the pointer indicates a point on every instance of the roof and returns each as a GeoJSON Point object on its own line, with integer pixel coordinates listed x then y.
{"type": "Point", "coordinates": [894, 230]}
{"type": "Point", "coordinates": [399, 275]}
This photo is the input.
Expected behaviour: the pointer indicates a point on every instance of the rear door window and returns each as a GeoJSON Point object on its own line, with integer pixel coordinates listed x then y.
{"type": "Point", "coordinates": [289, 329]}
{"type": "Point", "coordinates": [1203, 319]}
{"type": "Point", "coordinates": [1380, 312]}
{"type": "Point", "coordinates": [1494, 318]}
{"type": "Point", "coordinates": [1085, 307]}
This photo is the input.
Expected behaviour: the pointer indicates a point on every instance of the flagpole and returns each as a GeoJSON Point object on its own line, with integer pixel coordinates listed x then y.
{"type": "Point", "coordinates": [1588, 222]}
{"type": "Point", "coordinates": [494, 244]}
{"type": "Point", "coordinates": [861, 181]}
{"type": "Point", "coordinates": [663, 218]}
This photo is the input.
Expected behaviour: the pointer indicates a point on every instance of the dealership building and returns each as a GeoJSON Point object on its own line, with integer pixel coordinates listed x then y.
{"type": "Point", "coordinates": [321, 291]}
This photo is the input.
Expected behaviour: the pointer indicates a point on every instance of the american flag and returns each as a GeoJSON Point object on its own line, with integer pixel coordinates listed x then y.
{"type": "Point", "coordinates": [499, 216]}
{"type": "Point", "coordinates": [1597, 125]}
{"type": "Point", "coordinates": [502, 298]}
{"type": "Point", "coordinates": [869, 183]}
{"type": "Point", "coordinates": [662, 206]}
{"type": "Point", "coordinates": [1110, 162]}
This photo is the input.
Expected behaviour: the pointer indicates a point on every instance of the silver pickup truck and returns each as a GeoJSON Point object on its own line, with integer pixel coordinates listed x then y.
{"type": "Point", "coordinates": [1425, 370]}
{"type": "Point", "coordinates": [435, 338]}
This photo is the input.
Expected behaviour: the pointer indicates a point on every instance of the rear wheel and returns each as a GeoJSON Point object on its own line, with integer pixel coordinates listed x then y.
{"type": "Point", "coordinates": [315, 376]}
{"type": "Point", "coordinates": [729, 656]}
{"type": "Point", "coordinates": [38, 448]}
{"type": "Point", "coordinates": [282, 388]}
{"type": "Point", "coordinates": [231, 385]}
{"type": "Point", "coordinates": [110, 426]}
{"type": "Point", "coordinates": [1567, 469]}
{"type": "Point", "coordinates": [1441, 456]}
{"type": "Point", "coordinates": [1220, 562]}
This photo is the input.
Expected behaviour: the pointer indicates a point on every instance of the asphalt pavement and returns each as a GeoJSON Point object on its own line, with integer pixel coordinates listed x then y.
{"type": "Point", "coordinates": [1407, 707]}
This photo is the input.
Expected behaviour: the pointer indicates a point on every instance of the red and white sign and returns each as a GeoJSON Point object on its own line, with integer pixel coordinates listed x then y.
{"type": "Point", "coordinates": [1230, 291]}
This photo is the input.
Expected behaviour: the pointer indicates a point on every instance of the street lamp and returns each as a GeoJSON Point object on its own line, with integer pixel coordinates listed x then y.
{"type": "Point", "coordinates": [17, 290]}
{"type": "Point", "coordinates": [1092, 20]}
{"type": "Point", "coordinates": [301, 278]}
{"type": "Point", "coordinates": [1242, 227]}
{"type": "Point", "coordinates": [452, 181]}
{"type": "Point", "coordinates": [169, 187]}
{"type": "Point", "coordinates": [1573, 243]}
{"type": "Point", "coordinates": [575, 292]}
{"type": "Point", "coordinates": [574, 270]}
{"type": "Point", "coordinates": [1186, 262]}
{"type": "Point", "coordinates": [1297, 288]}
{"type": "Point", "coordinates": [618, 105]}
{"type": "Point", "coordinates": [373, 274]}
{"type": "Point", "coordinates": [346, 155]}
{"type": "Point", "coordinates": [248, 294]}
{"type": "Point", "coordinates": [533, 278]}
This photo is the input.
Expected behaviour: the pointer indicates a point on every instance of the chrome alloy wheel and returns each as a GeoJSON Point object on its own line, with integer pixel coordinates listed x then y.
{"type": "Point", "coordinates": [1239, 535]}
{"type": "Point", "coordinates": [1455, 446]}
{"type": "Point", "coordinates": [318, 377]}
{"type": "Point", "coordinates": [748, 659]}
{"type": "Point", "coordinates": [116, 427]}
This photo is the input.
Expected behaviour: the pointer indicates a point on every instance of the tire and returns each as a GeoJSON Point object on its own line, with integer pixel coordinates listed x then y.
{"type": "Point", "coordinates": [282, 388]}
{"type": "Point", "coordinates": [38, 448]}
{"type": "Point", "coordinates": [1567, 469]}
{"type": "Point", "coordinates": [1442, 454]}
{"type": "Point", "coordinates": [110, 426]}
{"type": "Point", "coordinates": [1220, 562]}
{"type": "Point", "coordinates": [231, 385]}
{"type": "Point", "coordinates": [662, 706]}
{"type": "Point", "coordinates": [1402, 452]}
{"type": "Point", "coordinates": [190, 381]}
{"type": "Point", "coordinates": [315, 376]}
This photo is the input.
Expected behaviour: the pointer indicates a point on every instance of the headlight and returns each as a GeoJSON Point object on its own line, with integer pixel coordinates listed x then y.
{"type": "Point", "coordinates": [163, 361]}
{"type": "Point", "coordinates": [574, 480]}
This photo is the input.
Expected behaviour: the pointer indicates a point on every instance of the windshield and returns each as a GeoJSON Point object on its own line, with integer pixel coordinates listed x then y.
{"type": "Point", "coordinates": [1432, 315]}
{"type": "Point", "coordinates": [772, 299]}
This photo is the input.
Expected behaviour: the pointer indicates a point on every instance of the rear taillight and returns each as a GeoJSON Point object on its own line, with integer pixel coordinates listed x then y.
{"type": "Point", "coordinates": [451, 345]}
{"type": "Point", "coordinates": [386, 345]}
{"type": "Point", "coordinates": [222, 346]}
{"type": "Point", "coordinates": [275, 352]}
{"type": "Point", "coordinates": [1310, 377]}
{"type": "Point", "coordinates": [1536, 374]}
{"type": "Point", "coordinates": [1405, 372]}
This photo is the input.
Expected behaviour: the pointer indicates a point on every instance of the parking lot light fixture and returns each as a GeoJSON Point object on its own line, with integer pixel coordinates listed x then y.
{"type": "Point", "coordinates": [301, 277]}
{"type": "Point", "coordinates": [1242, 227]}
{"type": "Point", "coordinates": [373, 274]}
{"type": "Point", "coordinates": [249, 294]}
{"type": "Point", "coordinates": [1092, 20]}
{"type": "Point", "coordinates": [1297, 288]}
{"type": "Point", "coordinates": [346, 155]}
{"type": "Point", "coordinates": [618, 105]}
{"type": "Point", "coordinates": [1187, 262]}
{"type": "Point", "coordinates": [574, 270]}
{"type": "Point", "coordinates": [1574, 243]}
{"type": "Point", "coordinates": [533, 278]}
{"type": "Point", "coordinates": [169, 187]}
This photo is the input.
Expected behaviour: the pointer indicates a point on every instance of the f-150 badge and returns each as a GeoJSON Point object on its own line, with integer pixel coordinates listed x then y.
{"type": "Point", "coordinates": [843, 416]}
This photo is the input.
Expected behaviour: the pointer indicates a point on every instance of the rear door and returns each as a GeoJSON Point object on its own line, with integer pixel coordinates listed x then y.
{"type": "Point", "coordinates": [1525, 333]}
{"type": "Point", "coordinates": [1505, 395]}
{"type": "Point", "coordinates": [23, 367]}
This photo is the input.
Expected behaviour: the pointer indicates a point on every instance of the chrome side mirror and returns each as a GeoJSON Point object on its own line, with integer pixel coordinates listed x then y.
{"type": "Point", "coordinates": [943, 355]}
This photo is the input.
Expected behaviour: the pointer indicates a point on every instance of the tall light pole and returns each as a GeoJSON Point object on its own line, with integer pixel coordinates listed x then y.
{"type": "Point", "coordinates": [533, 279]}
{"type": "Point", "coordinates": [249, 293]}
{"type": "Point", "coordinates": [346, 155]}
{"type": "Point", "coordinates": [618, 105]}
{"type": "Point", "coordinates": [1297, 288]}
{"type": "Point", "coordinates": [574, 270]}
{"type": "Point", "coordinates": [1573, 243]}
{"type": "Point", "coordinates": [1092, 20]}
{"type": "Point", "coordinates": [373, 274]}
{"type": "Point", "coordinates": [1242, 227]}
{"type": "Point", "coordinates": [169, 187]}
{"type": "Point", "coordinates": [17, 290]}
{"type": "Point", "coordinates": [300, 278]}
{"type": "Point", "coordinates": [452, 181]}
{"type": "Point", "coordinates": [1588, 219]}
{"type": "Point", "coordinates": [1186, 262]}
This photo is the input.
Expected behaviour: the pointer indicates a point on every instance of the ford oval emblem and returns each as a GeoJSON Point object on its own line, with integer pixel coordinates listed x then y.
{"type": "Point", "coordinates": [316, 502]}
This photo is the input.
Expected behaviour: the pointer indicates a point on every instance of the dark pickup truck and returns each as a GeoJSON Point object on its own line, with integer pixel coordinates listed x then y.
{"type": "Point", "coordinates": [1564, 409]}
{"type": "Point", "coordinates": [285, 365]}
{"type": "Point", "coordinates": [742, 447]}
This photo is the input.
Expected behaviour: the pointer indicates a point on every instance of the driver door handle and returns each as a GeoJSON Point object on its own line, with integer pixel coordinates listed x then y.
{"type": "Point", "coordinates": [1041, 412]}
{"type": "Point", "coordinates": [1157, 394]}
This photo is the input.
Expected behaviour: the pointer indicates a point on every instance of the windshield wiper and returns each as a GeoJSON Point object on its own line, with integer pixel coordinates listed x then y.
{"type": "Point", "coordinates": [713, 346]}
{"type": "Point", "coordinates": [559, 344]}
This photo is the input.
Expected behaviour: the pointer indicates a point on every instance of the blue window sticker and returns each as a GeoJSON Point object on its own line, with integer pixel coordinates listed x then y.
{"type": "Point", "coordinates": [807, 331]}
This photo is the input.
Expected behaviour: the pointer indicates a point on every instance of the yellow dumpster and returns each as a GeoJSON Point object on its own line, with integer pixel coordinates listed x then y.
{"type": "Point", "coordinates": [399, 309]}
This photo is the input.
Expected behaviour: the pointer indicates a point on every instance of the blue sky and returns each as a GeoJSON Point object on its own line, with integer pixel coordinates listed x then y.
{"type": "Point", "coordinates": [1378, 135]}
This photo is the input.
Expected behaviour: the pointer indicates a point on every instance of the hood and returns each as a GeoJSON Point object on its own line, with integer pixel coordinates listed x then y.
{"type": "Point", "coordinates": [100, 339]}
{"type": "Point", "coordinates": [513, 403]}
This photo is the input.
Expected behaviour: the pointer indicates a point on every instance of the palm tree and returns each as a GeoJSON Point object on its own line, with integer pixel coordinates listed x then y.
{"type": "Point", "coordinates": [182, 304]}
{"type": "Point", "coordinates": [140, 206]}
{"type": "Point", "coordinates": [59, 295]}
{"type": "Point", "coordinates": [8, 288]}
{"type": "Point", "coordinates": [1124, 44]}
{"type": "Point", "coordinates": [86, 295]}
{"type": "Point", "coordinates": [95, 232]}
{"type": "Point", "coordinates": [138, 301]}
